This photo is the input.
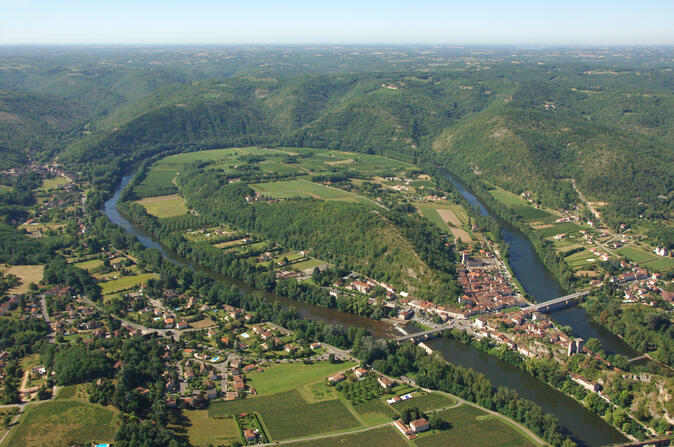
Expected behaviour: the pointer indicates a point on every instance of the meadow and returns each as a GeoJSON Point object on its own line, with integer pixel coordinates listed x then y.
{"type": "Point", "coordinates": [507, 198]}
{"type": "Point", "coordinates": [287, 415]}
{"type": "Point", "coordinates": [472, 427]}
{"type": "Point", "coordinates": [56, 182]}
{"type": "Point", "coordinates": [425, 402]}
{"type": "Point", "coordinates": [635, 254]}
{"type": "Point", "coordinates": [385, 436]}
{"type": "Point", "coordinates": [89, 265]}
{"type": "Point", "coordinates": [125, 283]}
{"type": "Point", "coordinates": [157, 182]}
{"type": "Point", "coordinates": [204, 430]}
{"type": "Point", "coordinates": [26, 273]}
{"type": "Point", "coordinates": [165, 206]}
{"type": "Point", "coordinates": [564, 227]}
{"type": "Point", "coordinates": [301, 188]}
{"type": "Point", "coordinates": [530, 214]}
{"type": "Point", "coordinates": [660, 264]}
{"type": "Point", "coordinates": [62, 423]}
{"type": "Point", "coordinates": [287, 376]}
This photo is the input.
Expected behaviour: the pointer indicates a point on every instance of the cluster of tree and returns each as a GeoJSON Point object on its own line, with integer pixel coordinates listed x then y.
{"type": "Point", "coordinates": [76, 364]}
{"type": "Point", "coordinates": [646, 330]}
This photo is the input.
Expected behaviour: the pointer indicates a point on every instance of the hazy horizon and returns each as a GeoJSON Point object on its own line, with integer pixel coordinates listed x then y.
{"type": "Point", "coordinates": [299, 22]}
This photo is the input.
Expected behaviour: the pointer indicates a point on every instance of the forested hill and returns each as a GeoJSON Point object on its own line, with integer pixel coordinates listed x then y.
{"type": "Point", "coordinates": [522, 120]}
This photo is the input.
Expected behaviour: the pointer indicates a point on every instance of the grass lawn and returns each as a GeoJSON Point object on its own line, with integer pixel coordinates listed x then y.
{"type": "Point", "coordinates": [425, 402]}
{"type": "Point", "coordinates": [205, 430]}
{"type": "Point", "coordinates": [374, 411]}
{"type": "Point", "coordinates": [125, 283]}
{"type": "Point", "coordinates": [385, 436]}
{"type": "Point", "coordinates": [89, 265]}
{"type": "Point", "coordinates": [660, 264]}
{"type": "Point", "coordinates": [64, 423]}
{"type": "Point", "coordinates": [287, 415]}
{"type": "Point", "coordinates": [531, 214]}
{"type": "Point", "coordinates": [50, 183]}
{"type": "Point", "coordinates": [287, 376]}
{"type": "Point", "coordinates": [26, 273]}
{"type": "Point", "coordinates": [565, 227]}
{"type": "Point", "coordinates": [636, 254]}
{"type": "Point", "coordinates": [165, 206]}
{"type": "Point", "coordinates": [310, 263]}
{"type": "Point", "coordinates": [157, 179]}
{"type": "Point", "coordinates": [472, 427]}
{"type": "Point", "coordinates": [507, 198]}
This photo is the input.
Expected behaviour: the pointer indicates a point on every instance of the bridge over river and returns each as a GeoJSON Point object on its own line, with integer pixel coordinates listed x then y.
{"type": "Point", "coordinates": [545, 306]}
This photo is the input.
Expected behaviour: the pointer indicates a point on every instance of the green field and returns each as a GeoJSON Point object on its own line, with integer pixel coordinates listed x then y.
{"type": "Point", "coordinates": [89, 265]}
{"type": "Point", "coordinates": [507, 198]}
{"type": "Point", "coordinates": [50, 183]}
{"type": "Point", "coordinates": [165, 206]}
{"type": "Point", "coordinates": [287, 415]}
{"type": "Point", "coordinates": [64, 423]}
{"type": "Point", "coordinates": [428, 210]}
{"type": "Point", "coordinates": [157, 181]}
{"type": "Point", "coordinates": [564, 227]}
{"type": "Point", "coordinates": [425, 402]}
{"type": "Point", "coordinates": [472, 427]}
{"type": "Point", "coordinates": [374, 411]}
{"type": "Point", "coordinates": [204, 430]}
{"type": "Point", "coordinates": [125, 283]}
{"type": "Point", "coordinates": [302, 188]}
{"type": "Point", "coordinates": [636, 254]}
{"type": "Point", "coordinates": [310, 263]}
{"type": "Point", "coordinates": [581, 259]}
{"type": "Point", "coordinates": [660, 264]}
{"type": "Point", "coordinates": [530, 214]}
{"type": "Point", "coordinates": [385, 436]}
{"type": "Point", "coordinates": [287, 376]}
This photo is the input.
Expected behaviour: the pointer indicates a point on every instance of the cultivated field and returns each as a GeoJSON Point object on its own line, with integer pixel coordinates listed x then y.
{"type": "Point", "coordinates": [507, 198]}
{"type": "Point", "coordinates": [302, 188]}
{"type": "Point", "coordinates": [472, 427]}
{"type": "Point", "coordinates": [26, 273]}
{"type": "Point", "coordinates": [425, 402]}
{"type": "Point", "coordinates": [165, 206]}
{"type": "Point", "coordinates": [89, 265]}
{"type": "Point", "coordinates": [385, 436]}
{"type": "Point", "coordinates": [204, 430]}
{"type": "Point", "coordinates": [64, 423]}
{"type": "Point", "coordinates": [287, 376]}
{"type": "Point", "coordinates": [125, 283]}
{"type": "Point", "coordinates": [564, 227]}
{"type": "Point", "coordinates": [157, 181]}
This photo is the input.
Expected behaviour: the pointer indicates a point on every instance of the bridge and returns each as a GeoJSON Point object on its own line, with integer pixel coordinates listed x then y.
{"type": "Point", "coordinates": [557, 303]}
{"type": "Point", "coordinates": [421, 336]}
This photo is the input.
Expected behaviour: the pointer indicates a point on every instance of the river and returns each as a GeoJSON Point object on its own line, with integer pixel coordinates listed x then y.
{"type": "Point", "coordinates": [585, 427]}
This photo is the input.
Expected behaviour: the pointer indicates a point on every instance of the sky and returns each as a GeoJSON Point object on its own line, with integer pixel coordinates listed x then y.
{"type": "Point", "coordinates": [480, 22]}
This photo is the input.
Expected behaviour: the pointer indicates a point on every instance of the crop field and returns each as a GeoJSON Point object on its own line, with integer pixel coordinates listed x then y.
{"type": "Point", "coordinates": [531, 214]}
{"type": "Point", "coordinates": [507, 198]}
{"type": "Point", "coordinates": [125, 283]}
{"type": "Point", "coordinates": [310, 263]}
{"type": "Point", "coordinates": [51, 183]}
{"type": "Point", "coordinates": [635, 254]}
{"type": "Point", "coordinates": [288, 415]}
{"type": "Point", "coordinates": [445, 218]}
{"type": "Point", "coordinates": [472, 427]}
{"type": "Point", "coordinates": [89, 265]}
{"type": "Point", "coordinates": [374, 411]}
{"type": "Point", "coordinates": [564, 227]}
{"type": "Point", "coordinates": [286, 376]}
{"type": "Point", "coordinates": [64, 423]}
{"type": "Point", "coordinates": [157, 182]}
{"type": "Point", "coordinates": [301, 188]}
{"type": "Point", "coordinates": [660, 264]}
{"type": "Point", "coordinates": [26, 273]}
{"type": "Point", "coordinates": [580, 259]}
{"type": "Point", "coordinates": [425, 402]}
{"type": "Point", "coordinates": [165, 206]}
{"type": "Point", "coordinates": [204, 430]}
{"type": "Point", "coordinates": [385, 436]}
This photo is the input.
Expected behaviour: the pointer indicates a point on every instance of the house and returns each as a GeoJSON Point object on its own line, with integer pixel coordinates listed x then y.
{"type": "Point", "coordinates": [211, 333]}
{"type": "Point", "coordinates": [182, 325]}
{"type": "Point", "coordinates": [420, 425]}
{"type": "Point", "coordinates": [334, 379]}
{"type": "Point", "coordinates": [590, 386]}
{"type": "Point", "coordinates": [360, 372]}
{"type": "Point", "coordinates": [250, 435]}
{"type": "Point", "coordinates": [362, 287]}
{"type": "Point", "coordinates": [211, 393]}
{"type": "Point", "coordinates": [290, 348]}
{"type": "Point", "coordinates": [315, 345]}
{"type": "Point", "coordinates": [403, 428]}
{"type": "Point", "coordinates": [385, 382]}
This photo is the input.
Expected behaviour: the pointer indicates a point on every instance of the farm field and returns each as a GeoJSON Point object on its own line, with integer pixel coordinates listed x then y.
{"type": "Point", "coordinates": [425, 402]}
{"type": "Point", "coordinates": [564, 227]}
{"type": "Point", "coordinates": [302, 188]}
{"type": "Point", "coordinates": [64, 423]}
{"type": "Point", "coordinates": [310, 263]}
{"type": "Point", "coordinates": [635, 254]}
{"type": "Point", "coordinates": [287, 376]}
{"type": "Point", "coordinates": [375, 411]}
{"type": "Point", "coordinates": [287, 415]}
{"type": "Point", "coordinates": [89, 265]}
{"type": "Point", "coordinates": [530, 214]}
{"type": "Point", "coordinates": [385, 436]}
{"type": "Point", "coordinates": [204, 430]}
{"type": "Point", "coordinates": [472, 427]}
{"type": "Point", "coordinates": [165, 206]}
{"type": "Point", "coordinates": [26, 273]}
{"type": "Point", "coordinates": [446, 217]}
{"type": "Point", "coordinates": [157, 182]}
{"type": "Point", "coordinates": [659, 264]}
{"type": "Point", "coordinates": [507, 198]}
{"type": "Point", "coordinates": [125, 282]}
{"type": "Point", "coordinates": [581, 259]}
{"type": "Point", "coordinates": [51, 183]}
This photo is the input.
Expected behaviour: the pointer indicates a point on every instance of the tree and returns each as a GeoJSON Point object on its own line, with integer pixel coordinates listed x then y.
{"type": "Point", "coordinates": [331, 358]}
{"type": "Point", "coordinates": [593, 344]}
